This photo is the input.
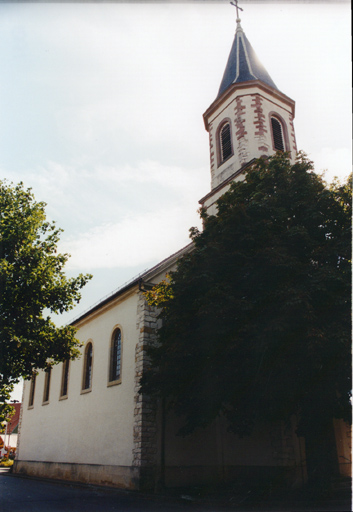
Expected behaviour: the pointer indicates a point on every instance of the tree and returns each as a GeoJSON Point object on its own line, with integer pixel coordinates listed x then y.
{"type": "Point", "coordinates": [32, 285]}
{"type": "Point", "coordinates": [256, 319]}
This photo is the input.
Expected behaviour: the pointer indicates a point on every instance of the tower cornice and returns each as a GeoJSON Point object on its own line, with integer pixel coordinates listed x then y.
{"type": "Point", "coordinates": [241, 87]}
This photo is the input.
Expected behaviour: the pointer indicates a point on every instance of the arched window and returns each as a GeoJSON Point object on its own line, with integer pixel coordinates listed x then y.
{"type": "Point", "coordinates": [65, 379]}
{"type": "Point", "coordinates": [87, 369]}
{"type": "Point", "coordinates": [277, 134]}
{"type": "Point", "coordinates": [115, 356]}
{"type": "Point", "coordinates": [32, 390]}
{"type": "Point", "coordinates": [225, 142]}
{"type": "Point", "coordinates": [47, 385]}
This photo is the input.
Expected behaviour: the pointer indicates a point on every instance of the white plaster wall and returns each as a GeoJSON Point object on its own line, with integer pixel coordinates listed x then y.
{"type": "Point", "coordinates": [215, 445]}
{"type": "Point", "coordinates": [214, 453]}
{"type": "Point", "coordinates": [210, 203]}
{"type": "Point", "coordinates": [94, 427]}
{"type": "Point", "coordinates": [222, 172]}
{"type": "Point", "coordinates": [343, 435]}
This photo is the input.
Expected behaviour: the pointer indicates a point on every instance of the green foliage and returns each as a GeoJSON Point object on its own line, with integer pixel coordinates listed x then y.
{"type": "Point", "coordinates": [256, 324]}
{"type": "Point", "coordinates": [32, 282]}
{"type": "Point", "coordinates": [160, 294]}
{"type": "Point", "coordinates": [6, 409]}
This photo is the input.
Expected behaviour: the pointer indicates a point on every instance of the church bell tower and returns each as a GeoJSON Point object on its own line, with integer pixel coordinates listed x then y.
{"type": "Point", "coordinates": [250, 118]}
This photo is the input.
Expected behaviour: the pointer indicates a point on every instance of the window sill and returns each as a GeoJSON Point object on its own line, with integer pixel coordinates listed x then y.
{"type": "Point", "coordinates": [84, 391]}
{"type": "Point", "coordinates": [46, 402]}
{"type": "Point", "coordinates": [63, 397]}
{"type": "Point", "coordinates": [114, 383]}
{"type": "Point", "coordinates": [225, 161]}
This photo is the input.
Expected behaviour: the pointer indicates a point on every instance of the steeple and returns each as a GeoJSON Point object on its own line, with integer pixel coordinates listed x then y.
{"type": "Point", "coordinates": [249, 119]}
{"type": "Point", "coordinates": [243, 64]}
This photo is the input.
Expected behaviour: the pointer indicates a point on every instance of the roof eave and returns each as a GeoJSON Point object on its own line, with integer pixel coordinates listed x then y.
{"type": "Point", "coordinates": [226, 182]}
{"type": "Point", "coordinates": [146, 276]}
{"type": "Point", "coordinates": [244, 85]}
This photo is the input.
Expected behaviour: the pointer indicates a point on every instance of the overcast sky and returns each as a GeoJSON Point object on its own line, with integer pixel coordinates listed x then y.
{"type": "Point", "coordinates": [101, 114]}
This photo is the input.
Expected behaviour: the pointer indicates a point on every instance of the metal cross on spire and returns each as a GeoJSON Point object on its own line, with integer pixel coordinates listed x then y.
{"type": "Point", "coordinates": [235, 3]}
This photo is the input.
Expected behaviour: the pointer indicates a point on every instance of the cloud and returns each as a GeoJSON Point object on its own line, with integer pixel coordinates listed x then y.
{"type": "Point", "coordinates": [132, 242]}
{"type": "Point", "coordinates": [101, 112]}
{"type": "Point", "coordinates": [87, 195]}
{"type": "Point", "coordinates": [120, 216]}
{"type": "Point", "coordinates": [334, 162]}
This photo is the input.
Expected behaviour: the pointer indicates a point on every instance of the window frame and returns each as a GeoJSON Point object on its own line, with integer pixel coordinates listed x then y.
{"type": "Point", "coordinates": [32, 390]}
{"type": "Point", "coordinates": [84, 389]}
{"type": "Point", "coordinates": [112, 381]}
{"type": "Point", "coordinates": [65, 380]}
{"type": "Point", "coordinates": [221, 126]}
{"type": "Point", "coordinates": [46, 390]}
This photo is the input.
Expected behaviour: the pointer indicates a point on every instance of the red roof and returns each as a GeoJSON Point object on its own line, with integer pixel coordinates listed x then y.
{"type": "Point", "coordinates": [12, 424]}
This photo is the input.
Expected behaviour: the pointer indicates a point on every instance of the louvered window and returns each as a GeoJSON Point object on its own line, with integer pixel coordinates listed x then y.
{"type": "Point", "coordinates": [277, 133]}
{"type": "Point", "coordinates": [115, 356]}
{"type": "Point", "coordinates": [225, 142]}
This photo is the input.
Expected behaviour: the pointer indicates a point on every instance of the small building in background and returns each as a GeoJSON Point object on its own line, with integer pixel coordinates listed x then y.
{"type": "Point", "coordinates": [8, 440]}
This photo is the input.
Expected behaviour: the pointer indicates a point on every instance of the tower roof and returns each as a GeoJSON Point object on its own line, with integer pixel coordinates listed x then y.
{"type": "Point", "coordinates": [243, 64]}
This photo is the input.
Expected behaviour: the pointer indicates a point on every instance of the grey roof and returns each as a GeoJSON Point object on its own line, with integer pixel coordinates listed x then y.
{"type": "Point", "coordinates": [142, 277]}
{"type": "Point", "coordinates": [243, 64]}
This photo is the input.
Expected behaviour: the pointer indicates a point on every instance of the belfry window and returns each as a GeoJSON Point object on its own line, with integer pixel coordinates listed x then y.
{"type": "Point", "coordinates": [277, 133]}
{"type": "Point", "coordinates": [87, 369]}
{"type": "Point", "coordinates": [115, 356]}
{"type": "Point", "coordinates": [225, 142]}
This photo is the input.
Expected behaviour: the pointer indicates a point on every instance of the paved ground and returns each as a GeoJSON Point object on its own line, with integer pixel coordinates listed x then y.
{"type": "Point", "coordinates": [20, 494]}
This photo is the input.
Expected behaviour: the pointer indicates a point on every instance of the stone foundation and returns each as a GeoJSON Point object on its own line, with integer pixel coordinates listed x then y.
{"type": "Point", "coordinates": [132, 478]}
{"type": "Point", "coordinates": [124, 477]}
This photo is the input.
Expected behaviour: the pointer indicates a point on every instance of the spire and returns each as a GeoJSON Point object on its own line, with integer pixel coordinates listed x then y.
{"type": "Point", "coordinates": [243, 64]}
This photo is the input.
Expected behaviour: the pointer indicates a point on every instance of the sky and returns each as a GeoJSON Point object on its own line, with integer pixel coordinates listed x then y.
{"type": "Point", "coordinates": [101, 114]}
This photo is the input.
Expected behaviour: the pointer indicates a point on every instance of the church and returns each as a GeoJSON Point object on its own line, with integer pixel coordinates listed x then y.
{"type": "Point", "coordinates": [85, 420]}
